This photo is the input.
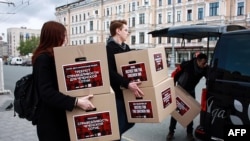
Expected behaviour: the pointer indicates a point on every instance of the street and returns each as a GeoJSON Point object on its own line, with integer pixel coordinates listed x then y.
{"type": "Point", "coordinates": [14, 128]}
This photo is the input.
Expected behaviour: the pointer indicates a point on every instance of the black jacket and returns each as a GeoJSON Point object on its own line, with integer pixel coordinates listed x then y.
{"type": "Point", "coordinates": [116, 80]}
{"type": "Point", "coordinates": [191, 75]}
{"type": "Point", "coordinates": [52, 122]}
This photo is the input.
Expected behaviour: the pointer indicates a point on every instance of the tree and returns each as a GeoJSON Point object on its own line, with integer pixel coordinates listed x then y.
{"type": "Point", "coordinates": [28, 46]}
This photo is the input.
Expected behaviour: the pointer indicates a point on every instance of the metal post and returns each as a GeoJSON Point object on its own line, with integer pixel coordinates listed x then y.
{"type": "Point", "coordinates": [2, 90]}
{"type": "Point", "coordinates": [172, 64]}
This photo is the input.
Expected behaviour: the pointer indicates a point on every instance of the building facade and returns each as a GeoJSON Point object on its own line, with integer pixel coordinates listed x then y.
{"type": "Point", "coordinates": [87, 21]}
{"type": "Point", "coordinates": [15, 35]}
{"type": "Point", "coordinates": [3, 49]}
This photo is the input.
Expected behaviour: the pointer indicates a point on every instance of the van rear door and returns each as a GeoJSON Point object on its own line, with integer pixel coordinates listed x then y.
{"type": "Point", "coordinates": [228, 83]}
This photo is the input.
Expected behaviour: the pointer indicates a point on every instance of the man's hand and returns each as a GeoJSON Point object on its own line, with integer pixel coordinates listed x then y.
{"type": "Point", "coordinates": [133, 86]}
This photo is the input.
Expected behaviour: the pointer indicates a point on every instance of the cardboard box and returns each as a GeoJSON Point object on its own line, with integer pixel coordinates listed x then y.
{"type": "Point", "coordinates": [101, 124]}
{"type": "Point", "coordinates": [187, 107]}
{"type": "Point", "coordinates": [148, 65]}
{"type": "Point", "coordinates": [82, 70]}
{"type": "Point", "coordinates": [158, 102]}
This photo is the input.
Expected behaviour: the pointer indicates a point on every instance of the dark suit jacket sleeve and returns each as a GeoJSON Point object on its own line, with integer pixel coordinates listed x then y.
{"type": "Point", "coordinates": [47, 86]}
{"type": "Point", "coordinates": [115, 77]}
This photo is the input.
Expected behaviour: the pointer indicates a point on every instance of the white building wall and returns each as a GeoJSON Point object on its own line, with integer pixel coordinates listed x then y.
{"type": "Point", "coordinates": [14, 36]}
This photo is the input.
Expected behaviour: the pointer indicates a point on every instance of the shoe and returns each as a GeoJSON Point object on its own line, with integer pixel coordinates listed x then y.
{"type": "Point", "coordinates": [190, 137]}
{"type": "Point", "coordinates": [170, 136]}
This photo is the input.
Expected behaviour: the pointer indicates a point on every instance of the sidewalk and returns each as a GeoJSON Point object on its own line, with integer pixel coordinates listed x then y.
{"type": "Point", "coordinates": [14, 128]}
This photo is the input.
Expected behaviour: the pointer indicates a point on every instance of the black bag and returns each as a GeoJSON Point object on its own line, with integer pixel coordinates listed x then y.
{"type": "Point", "coordinates": [26, 99]}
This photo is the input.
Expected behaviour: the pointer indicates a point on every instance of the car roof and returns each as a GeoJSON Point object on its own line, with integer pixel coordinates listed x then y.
{"type": "Point", "coordinates": [194, 31]}
{"type": "Point", "coordinates": [245, 31]}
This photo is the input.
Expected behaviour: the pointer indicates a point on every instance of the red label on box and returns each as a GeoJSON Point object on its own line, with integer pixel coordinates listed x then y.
{"type": "Point", "coordinates": [92, 125]}
{"type": "Point", "coordinates": [134, 72]}
{"type": "Point", "coordinates": [83, 75]}
{"type": "Point", "coordinates": [158, 62]}
{"type": "Point", "coordinates": [182, 107]}
{"type": "Point", "coordinates": [141, 109]}
{"type": "Point", "coordinates": [166, 97]}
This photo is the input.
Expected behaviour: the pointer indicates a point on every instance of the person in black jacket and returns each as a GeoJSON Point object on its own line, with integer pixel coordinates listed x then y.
{"type": "Point", "coordinates": [52, 122]}
{"type": "Point", "coordinates": [189, 76]}
{"type": "Point", "coordinates": [115, 44]}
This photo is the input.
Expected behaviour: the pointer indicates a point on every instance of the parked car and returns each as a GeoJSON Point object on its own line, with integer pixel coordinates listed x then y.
{"type": "Point", "coordinates": [16, 61]}
{"type": "Point", "coordinates": [27, 62]}
{"type": "Point", "coordinates": [226, 99]}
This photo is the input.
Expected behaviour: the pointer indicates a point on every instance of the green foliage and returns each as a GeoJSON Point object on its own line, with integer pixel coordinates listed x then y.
{"type": "Point", "coordinates": [28, 46]}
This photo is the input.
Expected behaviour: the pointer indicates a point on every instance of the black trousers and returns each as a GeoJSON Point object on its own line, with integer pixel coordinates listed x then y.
{"type": "Point", "coordinates": [173, 123]}
{"type": "Point", "coordinates": [124, 125]}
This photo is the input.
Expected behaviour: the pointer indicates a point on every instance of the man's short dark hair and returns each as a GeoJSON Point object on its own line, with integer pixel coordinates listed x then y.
{"type": "Point", "coordinates": [202, 56]}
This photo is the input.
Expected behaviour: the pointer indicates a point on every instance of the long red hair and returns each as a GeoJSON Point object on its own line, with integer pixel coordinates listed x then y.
{"type": "Point", "coordinates": [52, 35]}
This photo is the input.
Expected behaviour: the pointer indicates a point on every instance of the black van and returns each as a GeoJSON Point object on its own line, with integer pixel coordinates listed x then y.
{"type": "Point", "coordinates": [226, 99]}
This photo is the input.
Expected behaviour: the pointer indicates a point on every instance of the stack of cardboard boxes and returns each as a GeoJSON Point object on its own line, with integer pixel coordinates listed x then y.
{"type": "Point", "coordinates": [162, 97]}
{"type": "Point", "coordinates": [83, 70]}
{"type": "Point", "coordinates": [150, 67]}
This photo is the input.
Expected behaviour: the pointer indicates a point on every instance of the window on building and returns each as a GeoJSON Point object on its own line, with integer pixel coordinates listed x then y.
{"type": "Point", "coordinates": [72, 31]}
{"type": "Point", "coordinates": [107, 11]}
{"type": "Point", "coordinates": [120, 9]}
{"type": "Point", "coordinates": [168, 40]}
{"type": "Point", "coordinates": [179, 1]}
{"type": "Point", "coordinates": [141, 36]}
{"type": "Point", "coordinates": [142, 18]}
{"type": "Point", "coordinates": [91, 25]}
{"type": "Point", "coordinates": [133, 6]}
{"type": "Point", "coordinates": [189, 15]}
{"type": "Point", "coordinates": [133, 21]}
{"type": "Point", "coordinates": [21, 36]}
{"type": "Point", "coordinates": [84, 29]}
{"type": "Point", "coordinates": [146, 2]}
{"type": "Point", "coordinates": [240, 10]}
{"type": "Point", "coordinates": [160, 2]}
{"type": "Point", "coordinates": [107, 23]}
{"type": "Point", "coordinates": [178, 40]}
{"type": "Point", "coordinates": [80, 29]}
{"type": "Point", "coordinates": [169, 2]}
{"type": "Point", "coordinates": [169, 17]}
{"type": "Point", "coordinates": [213, 9]}
{"type": "Point", "coordinates": [91, 40]}
{"type": "Point", "coordinates": [213, 38]}
{"type": "Point", "coordinates": [75, 42]}
{"type": "Point", "coordinates": [76, 18]}
{"type": "Point", "coordinates": [133, 40]}
{"type": "Point", "coordinates": [200, 14]}
{"type": "Point", "coordinates": [80, 42]}
{"type": "Point", "coordinates": [84, 16]}
{"type": "Point", "coordinates": [76, 30]}
{"type": "Point", "coordinates": [96, 12]}
{"type": "Point", "coordinates": [159, 40]}
{"type": "Point", "coordinates": [124, 7]}
{"type": "Point", "coordinates": [159, 18]}
{"type": "Point", "coordinates": [178, 16]}
{"type": "Point", "coordinates": [80, 17]}
{"type": "Point", "coordinates": [72, 18]}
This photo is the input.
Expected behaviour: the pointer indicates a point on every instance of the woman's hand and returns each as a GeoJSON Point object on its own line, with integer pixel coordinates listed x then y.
{"type": "Point", "coordinates": [133, 86]}
{"type": "Point", "coordinates": [85, 103]}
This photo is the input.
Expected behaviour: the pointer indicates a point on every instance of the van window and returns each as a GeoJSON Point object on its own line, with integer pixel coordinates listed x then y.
{"type": "Point", "coordinates": [232, 56]}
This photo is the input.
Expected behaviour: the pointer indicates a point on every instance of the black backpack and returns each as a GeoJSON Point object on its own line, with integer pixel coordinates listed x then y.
{"type": "Point", "coordinates": [26, 99]}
